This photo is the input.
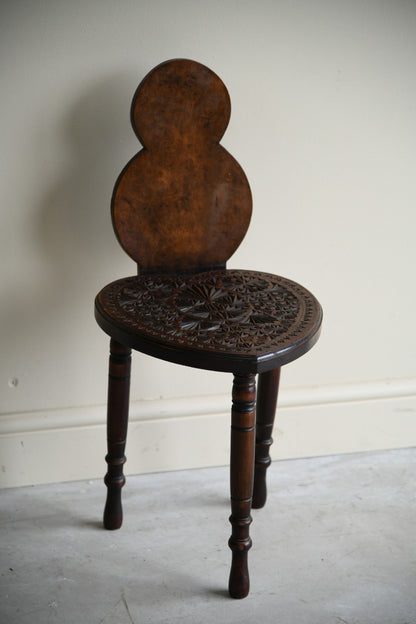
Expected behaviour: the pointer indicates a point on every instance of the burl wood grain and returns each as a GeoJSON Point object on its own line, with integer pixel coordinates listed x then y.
{"type": "Point", "coordinates": [183, 202]}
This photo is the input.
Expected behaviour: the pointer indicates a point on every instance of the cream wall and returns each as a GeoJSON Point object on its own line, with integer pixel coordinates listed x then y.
{"type": "Point", "coordinates": [324, 124]}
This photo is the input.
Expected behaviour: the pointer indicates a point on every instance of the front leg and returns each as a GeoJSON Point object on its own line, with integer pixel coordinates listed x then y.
{"type": "Point", "coordinates": [243, 420]}
{"type": "Point", "coordinates": [117, 418]}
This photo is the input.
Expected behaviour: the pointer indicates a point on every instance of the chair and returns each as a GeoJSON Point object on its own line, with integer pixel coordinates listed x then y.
{"type": "Point", "coordinates": [180, 209]}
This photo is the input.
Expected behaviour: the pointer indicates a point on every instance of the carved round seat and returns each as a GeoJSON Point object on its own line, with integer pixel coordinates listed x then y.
{"type": "Point", "coordinates": [225, 320]}
{"type": "Point", "coordinates": [180, 209]}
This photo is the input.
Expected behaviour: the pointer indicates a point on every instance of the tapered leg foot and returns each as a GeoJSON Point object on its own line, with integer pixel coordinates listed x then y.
{"type": "Point", "coordinates": [243, 418]}
{"type": "Point", "coordinates": [239, 584]}
{"type": "Point", "coordinates": [117, 418]}
{"type": "Point", "coordinates": [266, 410]}
{"type": "Point", "coordinates": [113, 510]}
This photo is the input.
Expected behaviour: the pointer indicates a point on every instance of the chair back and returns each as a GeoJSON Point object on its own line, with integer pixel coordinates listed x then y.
{"type": "Point", "coordinates": [183, 203]}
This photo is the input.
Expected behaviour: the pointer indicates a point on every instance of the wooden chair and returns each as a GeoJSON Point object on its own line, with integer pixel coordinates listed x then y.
{"type": "Point", "coordinates": [180, 209]}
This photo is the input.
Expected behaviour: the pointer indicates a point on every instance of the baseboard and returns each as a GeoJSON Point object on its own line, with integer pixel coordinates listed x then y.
{"type": "Point", "coordinates": [174, 434]}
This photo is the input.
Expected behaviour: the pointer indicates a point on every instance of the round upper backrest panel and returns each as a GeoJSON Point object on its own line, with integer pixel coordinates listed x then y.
{"type": "Point", "coordinates": [182, 203]}
{"type": "Point", "coordinates": [180, 100]}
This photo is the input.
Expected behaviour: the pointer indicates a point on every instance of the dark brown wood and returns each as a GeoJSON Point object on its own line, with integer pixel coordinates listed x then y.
{"type": "Point", "coordinates": [180, 209]}
{"type": "Point", "coordinates": [243, 418]}
{"type": "Point", "coordinates": [268, 388]}
{"type": "Point", "coordinates": [183, 202]}
{"type": "Point", "coordinates": [227, 320]}
{"type": "Point", "coordinates": [117, 418]}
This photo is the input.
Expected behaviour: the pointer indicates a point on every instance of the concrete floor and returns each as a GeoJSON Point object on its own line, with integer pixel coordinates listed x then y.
{"type": "Point", "coordinates": [336, 544]}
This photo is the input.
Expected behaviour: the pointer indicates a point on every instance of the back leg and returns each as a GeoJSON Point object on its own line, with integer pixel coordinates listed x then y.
{"type": "Point", "coordinates": [268, 387]}
{"type": "Point", "coordinates": [117, 418]}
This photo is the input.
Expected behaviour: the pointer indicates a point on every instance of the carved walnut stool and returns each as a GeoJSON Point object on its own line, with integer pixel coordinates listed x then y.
{"type": "Point", "coordinates": [180, 209]}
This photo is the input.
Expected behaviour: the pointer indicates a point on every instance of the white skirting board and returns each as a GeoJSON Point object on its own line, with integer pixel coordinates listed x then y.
{"type": "Point", "coordinates": [175, 434]}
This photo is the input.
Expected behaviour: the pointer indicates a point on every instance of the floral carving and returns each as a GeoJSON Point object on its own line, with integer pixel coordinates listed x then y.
{"type": "Point", "coordinates": [244, 312]}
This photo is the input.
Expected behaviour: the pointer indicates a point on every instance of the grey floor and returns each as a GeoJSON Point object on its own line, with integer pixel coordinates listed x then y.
{"type": "Point", "coordinates": [335, 544]}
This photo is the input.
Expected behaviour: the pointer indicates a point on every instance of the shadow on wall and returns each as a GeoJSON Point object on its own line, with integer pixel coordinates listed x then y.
{"type": "Point", "coordinates": [70, 234]}
{"type": "Point", "coordinates": [73, 222]}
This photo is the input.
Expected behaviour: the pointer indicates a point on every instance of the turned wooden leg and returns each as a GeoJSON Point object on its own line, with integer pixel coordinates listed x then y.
{"type": "Point", "coordinates": [243, 420]}
{"type": "Point", "coordinates": [268, 387]}
{"type": "Point", "coordinates": [117, 417]}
